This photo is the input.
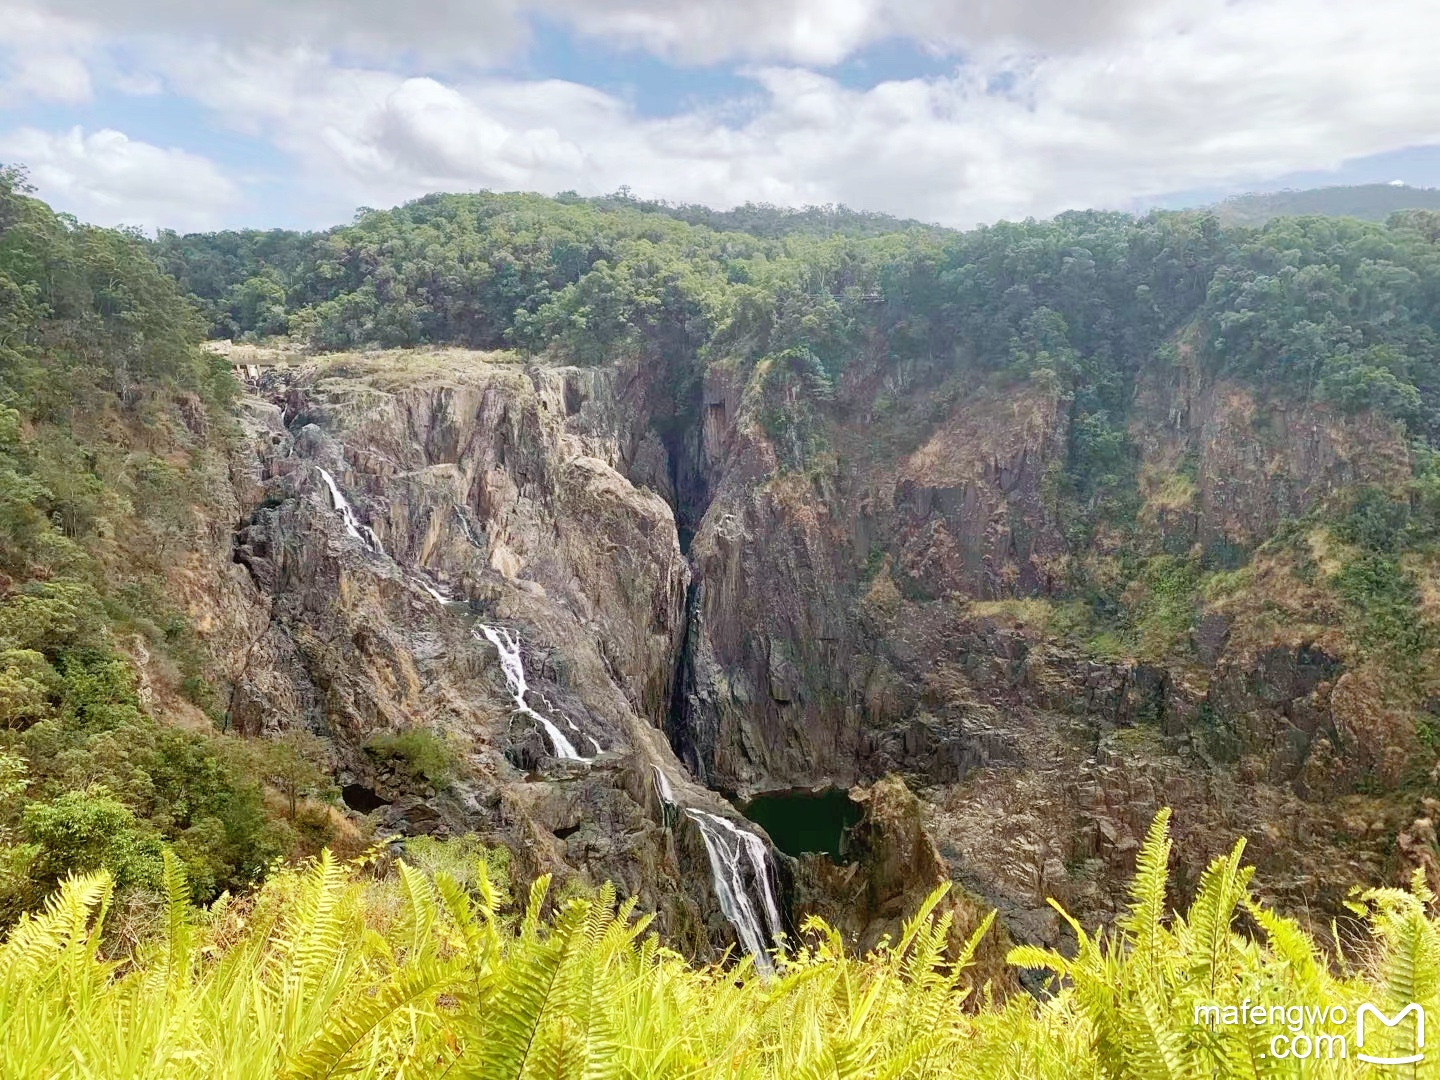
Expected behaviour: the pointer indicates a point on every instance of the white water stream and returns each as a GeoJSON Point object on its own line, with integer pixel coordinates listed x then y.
{"type": "Point", "coordinates": [730, 848]}
{"type": "Point", "coordinates": [438, 596]}
{"type": "Point", "coordinates": [468, 529]}
{"type": "Point", "coordinates": [363, 533]}
{"type": "Point", "coordinates": [662, 786]}
{"type": "Point", "coordinates": [508, 646]}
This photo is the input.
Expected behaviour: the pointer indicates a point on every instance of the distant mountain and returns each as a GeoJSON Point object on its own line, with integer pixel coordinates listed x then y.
{"type": "Point", "coordinates": [1371, 202]}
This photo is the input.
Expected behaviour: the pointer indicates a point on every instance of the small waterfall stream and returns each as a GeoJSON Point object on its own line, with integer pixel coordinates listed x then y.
{"type": "Point", "coordinates": [508, 646]}
{"type": "Point", "coordinates": [363, 533]}
{"type": "Point", "coordinates": [662, 787]}
{"type": "Point", "coordinates": [435, 594]}
{"type": "Point", "coordinates": [468, 529]}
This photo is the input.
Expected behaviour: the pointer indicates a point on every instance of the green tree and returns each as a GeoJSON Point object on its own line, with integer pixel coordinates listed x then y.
{"type": "Point", "coordinates": [88, 830]}
{"type": "Point", "coordinates": [295, 764]}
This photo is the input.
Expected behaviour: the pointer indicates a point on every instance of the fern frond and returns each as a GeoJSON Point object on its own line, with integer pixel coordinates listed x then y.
{"type": "Point", "coordinates": [423, 909]}
{"type": "Point", "coordinates": [530, 925]}
{"type": "Point", "coordinates": [325, 1054]}
{"type": "Point", "coordinates": [178, 936]}
{"type": "Point", "coordinates": [1222, 886]}
{"type": "Point", "coordinates": [520, 1007]}
{"type": "Point", "coordinates": [1147, 887]}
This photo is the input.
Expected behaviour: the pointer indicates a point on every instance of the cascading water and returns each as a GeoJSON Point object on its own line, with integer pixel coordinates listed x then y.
{"type": "Point", "coordinates": [438, 596]}
{"type": "Point", "coordinates": [662, 786]}
{"type": "Point", "coordinates": [363, 533]}
{"type": "Point", "coordinates": [508, 646]}
{"type": "Point", "coordinates": [730, 848]}
{"type": "Point", "coordinates": [467, 528]}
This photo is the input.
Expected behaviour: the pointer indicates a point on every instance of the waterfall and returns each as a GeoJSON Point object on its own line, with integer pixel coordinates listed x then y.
{"type": "Point", "coordinates": [363, 533]}
{"type": "Point", "coordinates": [468, 529]}
{"type": "Point", "coordinates": [439, 597]}
{"type": "Point", "coordinates": [729, 848]}
{"type": "Point", "coordinates": [662, 786]}
{"type": "Point", "coordinates": [508, 646]}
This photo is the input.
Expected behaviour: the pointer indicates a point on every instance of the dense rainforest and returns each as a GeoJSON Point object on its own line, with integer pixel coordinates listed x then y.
{"type": "Point", "coordinates": [786, 360]}
{"type": "Point", "coordinates": [1327, 308]}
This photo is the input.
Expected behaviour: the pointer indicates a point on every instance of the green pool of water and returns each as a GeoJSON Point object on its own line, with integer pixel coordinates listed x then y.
{"type": "Point", "coordinates": [801, 821]}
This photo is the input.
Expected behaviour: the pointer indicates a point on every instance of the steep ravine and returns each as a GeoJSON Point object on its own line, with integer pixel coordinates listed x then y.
{"type": "Point", "coordinates": [873, 613]}
{"type": "Point", "coordinates": [509, 492]}
{"type": "Point", "coordinates": [882, 608]}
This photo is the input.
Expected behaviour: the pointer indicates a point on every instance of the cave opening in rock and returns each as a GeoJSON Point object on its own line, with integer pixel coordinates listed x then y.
{"type": "Point", "coordinates": [574, 399]}
{"type": "Point", "coordinates": [362, 799]}
{"type": "Point", "coordinates": [805, 821]}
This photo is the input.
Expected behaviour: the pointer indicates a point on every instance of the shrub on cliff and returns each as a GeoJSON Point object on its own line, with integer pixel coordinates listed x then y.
{"type": "Point", "coordinates": [419, 753]}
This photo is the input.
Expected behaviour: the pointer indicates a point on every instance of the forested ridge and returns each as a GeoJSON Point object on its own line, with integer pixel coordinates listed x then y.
{"type": "Point", "coordinates": [1335, 308]}
{"type": "Point", "coordinates": [1371, 202]}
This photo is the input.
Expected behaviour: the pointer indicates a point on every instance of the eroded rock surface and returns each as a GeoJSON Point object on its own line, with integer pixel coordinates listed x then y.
{"type": "Point", "coordinates": [687, 604]}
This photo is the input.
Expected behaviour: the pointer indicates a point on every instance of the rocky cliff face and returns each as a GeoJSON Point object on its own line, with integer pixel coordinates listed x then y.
{"type": "Point", "coordinates": [688, 606]}
{"type": "Point", "coordinates": [496, 488]}
{"type": "Point", "coordinates": [891, 607]}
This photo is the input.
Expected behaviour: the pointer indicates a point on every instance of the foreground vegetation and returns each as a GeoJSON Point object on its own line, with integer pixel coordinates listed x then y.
{"type": "Point", "coordinates": [340, 969]}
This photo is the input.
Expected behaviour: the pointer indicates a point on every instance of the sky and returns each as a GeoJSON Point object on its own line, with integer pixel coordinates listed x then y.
{"type": "Point", "coordinates": [200, 115]}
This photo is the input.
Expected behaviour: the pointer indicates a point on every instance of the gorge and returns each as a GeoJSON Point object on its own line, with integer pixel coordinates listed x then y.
{"type": "Point", "coordinates": [943, 557]}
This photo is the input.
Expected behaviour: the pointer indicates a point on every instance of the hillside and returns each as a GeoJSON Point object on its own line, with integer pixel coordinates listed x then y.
{"type": "Point", "coordinates": [1369, 202]}
{"type": "Point", "coordinates": [577, 525]}
{"type": "Point", "coordinates": [1047, 517]}
{"type": "Point", "coordinates": [115, 503]}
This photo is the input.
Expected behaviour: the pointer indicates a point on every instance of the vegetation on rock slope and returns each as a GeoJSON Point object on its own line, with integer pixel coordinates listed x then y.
{"type": "Point", "coordinates": [111, 423]}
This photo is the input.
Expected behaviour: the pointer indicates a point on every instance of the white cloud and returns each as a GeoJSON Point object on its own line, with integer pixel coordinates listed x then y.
{"type": "Point", "coordinates": [109, 179]}
{"type": "Point", "coordinates": [474, 30]}
{"type": "Point", "coordinates": [49, 77]}
{"type": "Point", "coordinates": [1123, 101]}
{"type": "Point", "coordinates": [1231, 91]}
{"type": "Point", "coordinates": [485, 31]}
{"type": "Point", "coordinates": [825, 32]}
{"type": "Point", "coordinates": [43, 56]}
